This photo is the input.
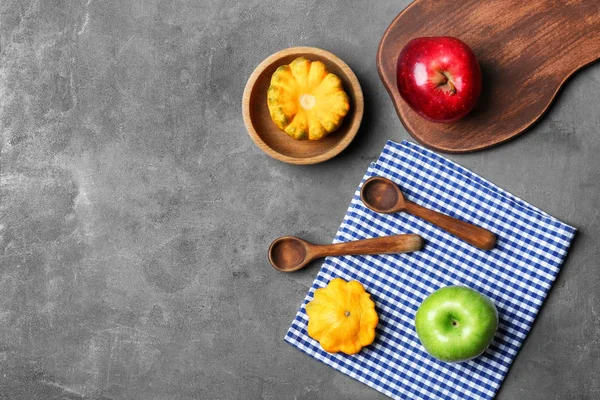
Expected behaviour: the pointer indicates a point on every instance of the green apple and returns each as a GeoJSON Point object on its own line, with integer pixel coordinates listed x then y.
{"type": "Point", "coordinates": [456, 323]}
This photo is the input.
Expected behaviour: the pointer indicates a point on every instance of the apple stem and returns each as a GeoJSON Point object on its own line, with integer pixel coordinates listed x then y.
{"type": "Point", "coordinates": [452, 88]}
{"type": "Point", "coordinates": [442, 80]}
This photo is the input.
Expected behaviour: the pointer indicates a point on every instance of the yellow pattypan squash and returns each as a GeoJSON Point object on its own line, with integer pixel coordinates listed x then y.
{"type": "Point", "coordinates": [306, 101]}
{"type": "Point", "coordinates": [342, 317]}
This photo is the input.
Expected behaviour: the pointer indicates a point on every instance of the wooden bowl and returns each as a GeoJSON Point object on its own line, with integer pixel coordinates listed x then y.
{"type": "Point", "coordinates": [275, 142]}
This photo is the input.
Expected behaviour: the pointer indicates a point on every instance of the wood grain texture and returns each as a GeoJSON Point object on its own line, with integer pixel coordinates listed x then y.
{"type": "Point", "coordinates": [472, 234]}
{"type": "Point", "coordinates": [526, 49]}
{"type": "Point", "coordinates": [393, 244]}
{"type": "Point", "coordinates": [276, 143]}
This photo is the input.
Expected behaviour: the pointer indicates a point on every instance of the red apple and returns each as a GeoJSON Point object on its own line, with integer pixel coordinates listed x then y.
{"type": "Point", "coordinates": [439, 78]}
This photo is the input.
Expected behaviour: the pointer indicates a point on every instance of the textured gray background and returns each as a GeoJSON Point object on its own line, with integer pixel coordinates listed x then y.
{"type": "Point", "coordinates": [135, 211]}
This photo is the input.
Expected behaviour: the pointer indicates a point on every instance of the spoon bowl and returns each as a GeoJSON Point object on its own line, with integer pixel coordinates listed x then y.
{"type": "Point", "coordinates": [382, 195]}
{"type": "Point", "coordinates": [288, 254]}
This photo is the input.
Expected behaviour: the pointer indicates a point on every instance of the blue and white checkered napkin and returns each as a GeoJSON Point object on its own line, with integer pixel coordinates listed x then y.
{"type": "Point", "coordinates": [516, 275]}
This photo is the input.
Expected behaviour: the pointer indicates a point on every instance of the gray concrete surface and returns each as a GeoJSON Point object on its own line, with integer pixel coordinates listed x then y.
{"type": "Point", "coordinates": [135, 211]}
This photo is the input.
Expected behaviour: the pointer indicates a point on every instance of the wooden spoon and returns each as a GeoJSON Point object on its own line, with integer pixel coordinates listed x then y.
{"type": "Point", "coordinates": [289, 253]}
{"type": "Point", "coordinates": [384, 196]}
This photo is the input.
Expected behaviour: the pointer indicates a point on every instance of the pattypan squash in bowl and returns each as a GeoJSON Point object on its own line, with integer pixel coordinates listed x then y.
{"type": "Point", "coordinates": [307, 101]}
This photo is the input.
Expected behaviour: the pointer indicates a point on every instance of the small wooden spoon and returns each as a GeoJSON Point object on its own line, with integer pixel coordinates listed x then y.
{"type": "Point", "coordinates": [384, 196]}
{"type": "Point", "coordinates": [289, 253]}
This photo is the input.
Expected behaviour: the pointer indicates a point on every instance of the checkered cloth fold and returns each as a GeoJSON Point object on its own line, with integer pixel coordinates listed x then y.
{"type": "Point", "coordinates": [517, 275]}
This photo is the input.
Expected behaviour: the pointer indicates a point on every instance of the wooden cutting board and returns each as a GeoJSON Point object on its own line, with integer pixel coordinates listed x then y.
{"type": "Point", "coordinates": [527, 49]}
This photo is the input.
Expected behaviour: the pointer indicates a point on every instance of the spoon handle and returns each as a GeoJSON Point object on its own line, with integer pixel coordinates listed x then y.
{"type": "Point", "coordinates": [381, 245]}
{"type": "Point", "coordinates": [475, 235]}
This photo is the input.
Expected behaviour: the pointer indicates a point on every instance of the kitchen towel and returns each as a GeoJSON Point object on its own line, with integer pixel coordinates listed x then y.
{"type": "Point", "coordinates": [517, 275]}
